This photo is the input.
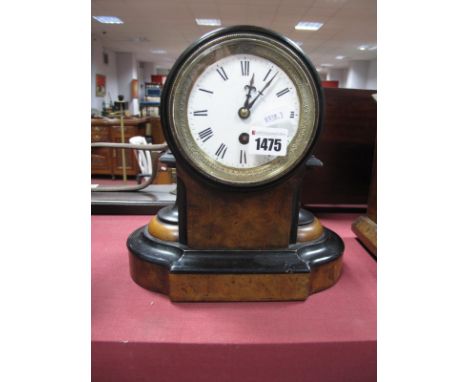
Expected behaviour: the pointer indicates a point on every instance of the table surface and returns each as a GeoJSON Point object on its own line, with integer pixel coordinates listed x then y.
{"type": "Point", "coordinates": [124, 313]}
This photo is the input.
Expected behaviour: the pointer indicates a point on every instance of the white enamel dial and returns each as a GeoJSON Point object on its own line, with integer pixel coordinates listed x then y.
{"type": "Point", "coordinates": [222, 89]}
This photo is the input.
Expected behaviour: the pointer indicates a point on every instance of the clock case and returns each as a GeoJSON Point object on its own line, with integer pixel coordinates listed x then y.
{"type": "Point", "coordinates": [235, 243]}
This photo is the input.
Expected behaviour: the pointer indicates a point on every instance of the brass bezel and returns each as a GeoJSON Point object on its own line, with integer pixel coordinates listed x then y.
{"type": "Point", "coordinates": [278, 53]}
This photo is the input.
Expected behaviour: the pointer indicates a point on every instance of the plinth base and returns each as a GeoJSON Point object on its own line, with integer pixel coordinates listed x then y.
{"type": "Point", "coordinates": [225, 275]}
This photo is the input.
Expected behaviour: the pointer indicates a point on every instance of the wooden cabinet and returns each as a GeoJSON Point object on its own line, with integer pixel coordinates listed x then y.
{"type": "Point", "coordinates": [130, 159]}
{"type": "Point", "coordinates": [346, 148]}
{"type": "Point", "coordinates": [101, 158]}
{"type": "Point", "coordinates": [108, 161]}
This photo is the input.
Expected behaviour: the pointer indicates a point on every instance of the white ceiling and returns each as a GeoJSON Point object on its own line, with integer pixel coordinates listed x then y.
{"type": "Point", "coordinates": [170, 25]}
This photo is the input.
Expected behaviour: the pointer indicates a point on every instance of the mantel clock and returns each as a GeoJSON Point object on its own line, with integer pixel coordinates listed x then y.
{"type": "Point", "coordinates": [241, 111]}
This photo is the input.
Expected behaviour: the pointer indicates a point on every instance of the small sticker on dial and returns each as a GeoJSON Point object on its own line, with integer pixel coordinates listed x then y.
{"type": "Point", "coordinates": [273, 118]}
{"type": "Point", "coordinates": [268, 141]}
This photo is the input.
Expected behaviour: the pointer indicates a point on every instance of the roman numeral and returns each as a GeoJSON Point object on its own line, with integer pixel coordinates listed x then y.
{"type": "Point", "coordinates": [282, 92]}
{"type": "Point", "coordinates": [222, 73]}
{"type": "Point", "coordinates": [221, 150]}
{"type": "Point", "coordinates": [205, 134]}
{"type": "Point", "coordinates": [206, 91]}
{"type": "Point", "coordinates": [243, 157]}
{"type": "Point", "coordinates": [245, 68]}
{"type": "Point", "coordinates": [291, 115]}
{"type": "Point", "coordinates": [267, 75]}
{"type": "Point", "coordinates": [200, 113]}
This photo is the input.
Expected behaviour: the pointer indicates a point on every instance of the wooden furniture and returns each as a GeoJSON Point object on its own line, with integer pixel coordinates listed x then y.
{"type": "Point", "coordinates": [108, 161]}
{"type": "Point", "coordinates": [365, 227]}
{"type": "Point", "coordinates": [346, 148]}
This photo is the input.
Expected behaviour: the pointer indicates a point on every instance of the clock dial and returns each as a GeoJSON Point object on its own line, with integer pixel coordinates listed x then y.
{"type": "Point", "coordinates": [222, 90]}
{"type": "Point", "coordinates": [231, 86]}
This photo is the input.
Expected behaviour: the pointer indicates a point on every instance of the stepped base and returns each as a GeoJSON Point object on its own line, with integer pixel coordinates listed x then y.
{"type": "Point", "coordinates": [186, 274]}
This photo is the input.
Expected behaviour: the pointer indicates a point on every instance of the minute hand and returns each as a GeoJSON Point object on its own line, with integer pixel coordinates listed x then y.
{"type": "Point", "coordinates": [261, 91]}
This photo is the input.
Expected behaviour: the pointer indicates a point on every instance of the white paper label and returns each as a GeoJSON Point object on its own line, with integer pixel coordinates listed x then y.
{"type": "Point", "coordinates": [268, 141]}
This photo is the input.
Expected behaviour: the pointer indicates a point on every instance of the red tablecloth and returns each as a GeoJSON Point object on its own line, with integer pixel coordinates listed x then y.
{"type": "Point", "coordinates": [139, 335]}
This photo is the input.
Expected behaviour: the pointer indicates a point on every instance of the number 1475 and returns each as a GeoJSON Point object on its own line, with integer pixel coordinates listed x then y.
{"type": "Point", "coordinates": [268, 144]}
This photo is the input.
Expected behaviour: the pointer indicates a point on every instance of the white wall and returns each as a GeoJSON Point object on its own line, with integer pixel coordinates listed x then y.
{"type": "Point", "coordinates": [148, 70]}
{"type": "Point", "coordinates": [357, 74]}
{"type": "Point", "coordinates": [361, 75]}
{"type": "Point", "coordinates": [127, 71]}
{"type": "Point", "coordinates": [162, 71]}
{"type": "Point", "coordinates": [372, 75]}
{"type": "Point", "coordinates": [145, 71]}
{"type": "Point", "coordinates": [109, 70]}
{"type": "Point", "coordinates": [337, 75]}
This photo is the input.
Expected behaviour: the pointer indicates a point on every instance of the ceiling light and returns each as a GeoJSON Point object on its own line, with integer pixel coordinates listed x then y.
{"type": "Point", "coordinates": [108, 19]}
{"type": "Point", "coordinates": [340, 57]}
{"type": "Point", "coordinates": [308, 26]}
{"type": "Point", "coordinates": [209, 22]}
{"type": "Point", "coordinates": [367, 47]}
{"type": "Point", "coordinates": [158, 51]}
{"type": "Point", "coordinates": [326, 65]}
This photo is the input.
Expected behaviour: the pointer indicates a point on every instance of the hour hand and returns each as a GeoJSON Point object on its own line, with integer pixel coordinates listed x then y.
{"type": "Point", "coordinates": [244, 110]}
{"type": "Point", "coordinates": [250, 87]}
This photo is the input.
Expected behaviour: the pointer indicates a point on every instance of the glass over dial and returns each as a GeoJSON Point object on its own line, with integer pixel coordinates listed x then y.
{"type": "Point", "coordinates": [235, 95]}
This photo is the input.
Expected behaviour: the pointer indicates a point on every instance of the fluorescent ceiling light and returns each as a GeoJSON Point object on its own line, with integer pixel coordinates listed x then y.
{"type": "Point", "coordinates": [326, 65]}
{"type": "Point", "coordinates": [308, 26]}
{"type": "Point", "coordinates": [340, 57]}
{"type": "Point", "coordinates": [209, 22]}
{"type": "Point", "coordinates": [108, 19]}
{"type": "Point", "coordinates": [158, 51]}
{"type": "Point", "coordinates": [367, 47]}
